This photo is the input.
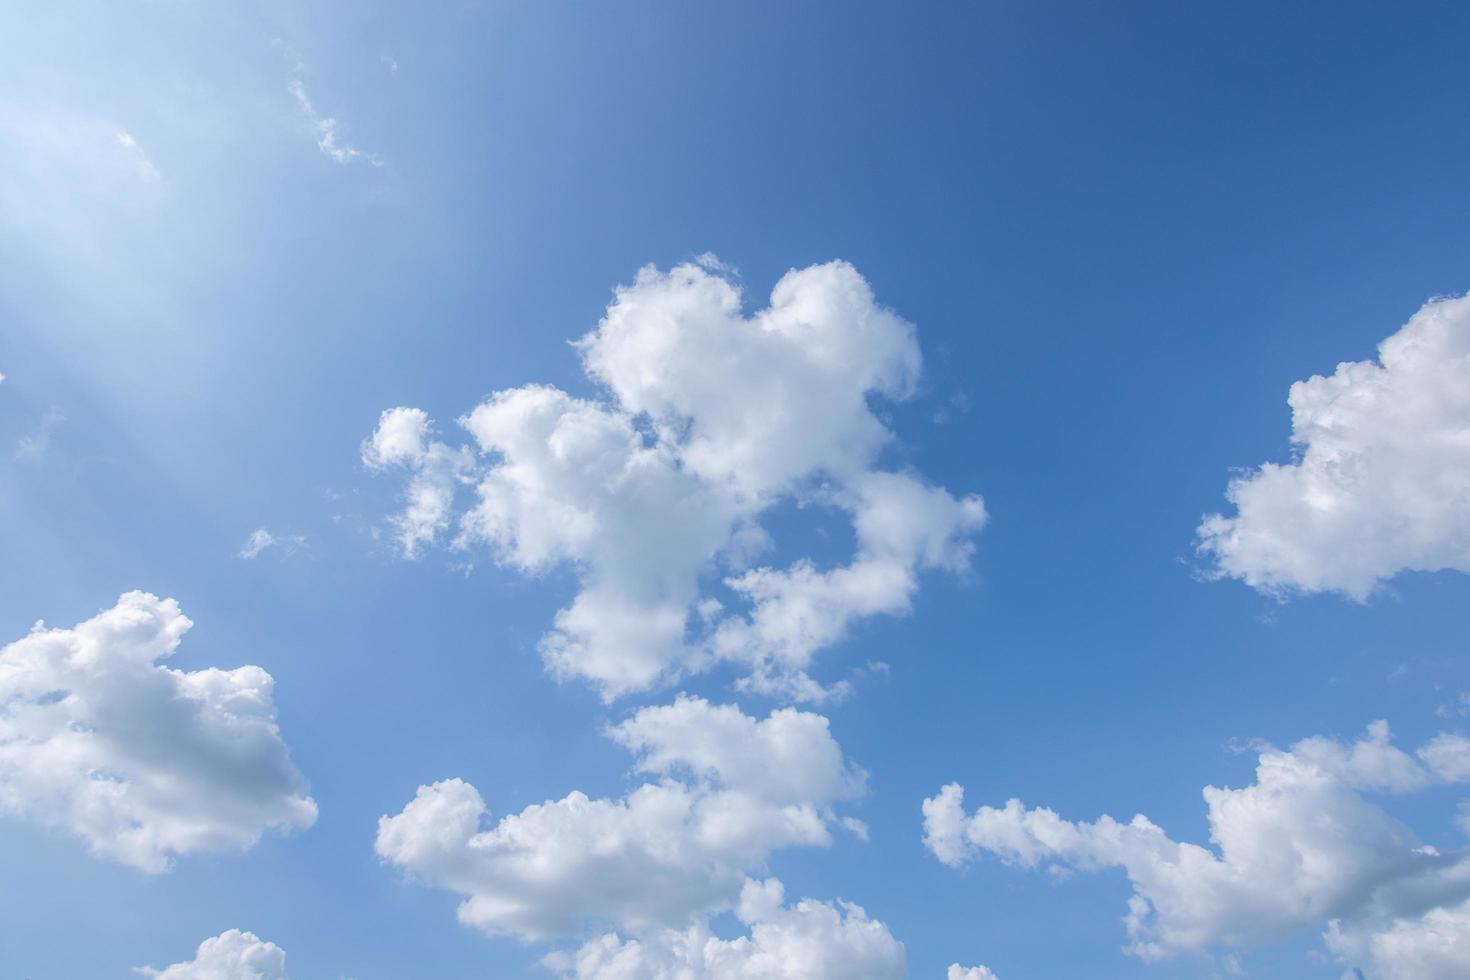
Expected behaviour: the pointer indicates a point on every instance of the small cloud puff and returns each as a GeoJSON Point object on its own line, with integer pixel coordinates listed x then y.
{"type": "Point", "coordinates": [232, 955]}
{"type": "Point", "coordinates": [957, 972]}
{"type": "Point", "coordinates": [262, 540]}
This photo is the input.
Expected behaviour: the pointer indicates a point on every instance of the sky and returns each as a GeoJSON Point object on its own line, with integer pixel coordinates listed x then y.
{"type": "Point", "coordinates": [651, 490]}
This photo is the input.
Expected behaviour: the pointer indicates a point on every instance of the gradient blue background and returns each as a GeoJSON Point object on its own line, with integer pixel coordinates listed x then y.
{"type": "Point", "coordinates": [1123, 230]}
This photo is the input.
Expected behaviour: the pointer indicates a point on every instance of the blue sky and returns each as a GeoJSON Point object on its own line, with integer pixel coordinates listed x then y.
{"type": "Point", "coordinates": [1121, 233]}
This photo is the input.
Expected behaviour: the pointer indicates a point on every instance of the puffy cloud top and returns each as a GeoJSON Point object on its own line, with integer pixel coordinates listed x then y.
{"type": "Point", "coordinates": [808, 941]}
{"type": "Point", "coordinates": [756, 403]}
{"type": "Point", "coordinates": [232, 955]}
{"type": "Point", "coordinates": [710, 419]}
{"type": "Point", "coordinates": [1381, 483]}
{"type": "Point", "coordinates": [957, 972]}
{"type": "Point", "coordinates": [141, 761]}
{"type": "Point", "coordinates": [660, 856]}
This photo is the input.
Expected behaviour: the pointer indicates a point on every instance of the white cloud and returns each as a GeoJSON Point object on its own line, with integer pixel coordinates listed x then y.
{"type": "Point", "coordinates": [1381, 482]}
{"type": "Point", "coordinates": [810, 940]}
{"type": "Point", "coordinates": [232, 955]}
{"type": "Point", "coordinates": [327, 129]}
{"type": "Point", "coordinates": [1300, 847]}
{"type": "Point", "coordinates": [957, 972]}
{"type": "Point", "coordinates": [712, 419]}
{"type": "Point", "coordinates": [902, 527]}
{"type": "Point", "coordinates": [403, 440]}
{"type": "Point", "coordinates": [262, 540]}
{"type": "Point", "coordinates": [1448, 756]}
{"type": "Point", "coordinates": [729, 791]}
{"type": "Point", "coordinates": [141, 761]}
{"type": "Point", "coordinates": [1431, 946]}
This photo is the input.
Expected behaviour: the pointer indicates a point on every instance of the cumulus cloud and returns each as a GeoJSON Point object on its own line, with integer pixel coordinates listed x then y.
{"type": "Point", "coordinates": [710, 419]}
{"type": "Point", "coordinates": [957, 972]}
{"type": "Point", "coordinates": [232, 955]}
{"type": "Point", "coordinates": [1434, 945]}
{"type": "Point", "coordinates": [1448, 757]}
{"type": "Point", "coordinates": [810, 940]}
{"type": "Point", "coordinates": [402, 440]}
{"type": "Point", "coordinates": [262, 540]}
{"type": "Point", "coordinates": [1300, 847]}
{"type": "Point", "coordinates": [141, 761]}
{"type": "Point", "coordinates": [1381, 479]}
{"type": "Point", "coordinates": [727, 791]}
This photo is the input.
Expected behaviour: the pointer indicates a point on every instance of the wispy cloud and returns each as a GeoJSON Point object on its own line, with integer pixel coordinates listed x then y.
{"type": "Point", "coordinates": [59, 164]}
{"type": "Point", "coordinates": [262, 540]}
{"type": "Point", "coordinates": [35, 445]}
{"type": "Point", "coordinates": [137, 159]}
{"type": "Point", "coordinates": [328, 136]}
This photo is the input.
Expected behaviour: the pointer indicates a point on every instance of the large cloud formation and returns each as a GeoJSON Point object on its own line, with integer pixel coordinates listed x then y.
{"type": "Point", "coordinates": [1301, 847]}
{"type": "Point", "coordinates": [811, 940]}
{"type": "Point", "coordinates": [232, 955]}
{"type": "Point", "coordinates": [710, 419]}
{"type": "Point", "coordinates": [728, 791]}
{"type": "Point", "coordinates": [141, 761]}
{"type": "Point", "coordinates": [1381, 483]}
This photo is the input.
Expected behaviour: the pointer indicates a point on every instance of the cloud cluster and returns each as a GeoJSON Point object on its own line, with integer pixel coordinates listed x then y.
{"type": "Point", "coordinates": [1300, 847]}
{"type": "Point", "coordinates": [810, 940]}
{"type": "Point", "coordinates": [1381, 483]}
{"type": "Point", "coordinates": [728, 790]}
{"type": "Point", "coordinates": [141, 761]}
{"type": "Point", "coordinates": [710, 419]}
{"type": "Point", "coordinates": [232, 955]}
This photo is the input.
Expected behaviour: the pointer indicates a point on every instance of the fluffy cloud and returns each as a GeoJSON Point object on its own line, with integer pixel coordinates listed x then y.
{"type": "Point", "coordinates": [1299, 847]}
{"type": "Point", "coordinates": [810, 940]}
{"type": "Point", "coordinates": [402, 441]}
{"type": "Point", "coordinates": [729, 791]}
{"type": "Point", "coordinates": [957, 972]}
{"type": "Point", "coordinates": [710, 419]}
{"type": "Point", "coordinates": [232, 955]}
{"type": "Point", "coordinates": [1432, 946]}
{"type": "Point", "coordinates": [141, 761]}
{"type": "Point", "coordinates": [1381, 483]}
